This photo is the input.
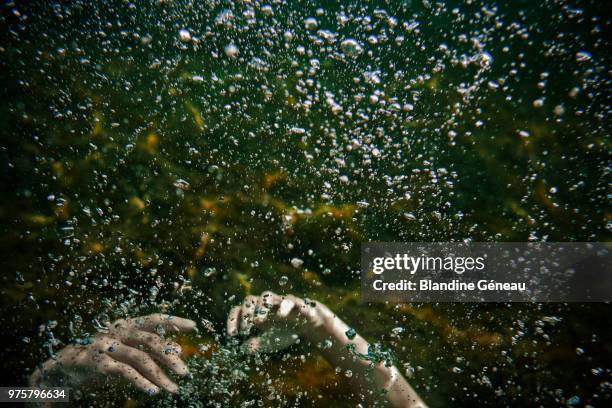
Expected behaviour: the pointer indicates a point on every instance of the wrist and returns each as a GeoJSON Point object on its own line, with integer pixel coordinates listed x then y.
{"type": "Point", "coordinates": [329, 330]}
{"type": "Point", "coordinates": [316, 328]}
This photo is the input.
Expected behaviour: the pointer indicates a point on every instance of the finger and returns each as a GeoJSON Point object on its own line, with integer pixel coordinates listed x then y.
{"type": "Point", "coordinates": [270, 299]}
{"type": "Point", "coordinates": [293, 308]}
{"type": "Point", "coordinates": [111, 366]}
{"type": "Point", "coordinates": [286, 307]}
{"type": "Point", "coordinates": [304, 309]}
{"type": "Point", "coordinates": [271, 341]}
{"type": "Point", "coordinates": [165, 351]}
{"type": "Point", "coordinates": [247, 313]}
{"type": "Point", "coordinates": [232, 321]}
{"type": "Point", "coordinates": [167, 322]}
{"type": "Point", "coordinates": [252, 345]}
{"type": "Point", "coordinates": [261, 313]}
{"type": "Point", "coordinates": [144, 364]}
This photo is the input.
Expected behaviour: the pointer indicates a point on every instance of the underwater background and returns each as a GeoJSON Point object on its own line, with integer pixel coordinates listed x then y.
{"type": "Point", "coordinates": [178, 155]}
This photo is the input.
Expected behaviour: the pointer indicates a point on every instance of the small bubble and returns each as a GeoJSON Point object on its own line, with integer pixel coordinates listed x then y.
{"type": "Point", "coordinates": [351, 47]}
{"type": "Point", "coordinates": [583, 56]}
{"type": "Point", "coordinates": [184, 35]}
{"type": "Point", "coordinates": [559, 110]}
{"type": "Point", "coordinates": [351, 333]}
{"type": "Point", "coordinates": [311, 23]}
{"type": "Point", "coordinates": [181, 184]}
{"type": "Point", "coordinates": [231, 51]}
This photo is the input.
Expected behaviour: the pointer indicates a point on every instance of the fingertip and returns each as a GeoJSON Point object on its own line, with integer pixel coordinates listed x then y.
{"type": "Point", "coordinates": [182, 370]}
{"type": "Point", "coordinates": [252, 345]}
{"type": "Point", "coordinates": [190, 324]}
{"type": "Point", "coordinates": [260, 319]}
{"type": "Point", "coordinates": [269, 293]}
{"type": "Point", "coordinates": [232, 327]}
{"type": "Point", "coordinates": [172, 388]}
{"type": "Point", "coordinates": [246, 324]}
{"type": "Point", "coordinates": [232, 321]}
{"type": "Point", "coordinates": [270, 299]}
{"type": "Point", "coordinates": [179, 367]}
{"type": "Point", "coordinates": [285, 307]}
{"type": "Point", "coordinates": [181, 324]}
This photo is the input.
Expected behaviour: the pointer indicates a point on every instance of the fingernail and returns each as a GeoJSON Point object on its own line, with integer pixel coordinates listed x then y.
{"type": "Point", "coordinates": [173, 388]}
{"type": "Point", "coordinates": [285, 308]}
{"type": "Point", "coordinates": [182, 370]}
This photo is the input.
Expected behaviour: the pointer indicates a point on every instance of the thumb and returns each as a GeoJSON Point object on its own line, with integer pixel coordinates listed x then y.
{"type": "Point", "coordinates": [271, 341]}
{"type": "Point", "coordinates": [252, 345]}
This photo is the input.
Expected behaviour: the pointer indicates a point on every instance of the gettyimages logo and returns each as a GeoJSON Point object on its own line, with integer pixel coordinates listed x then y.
{"type": "Point", "coordinates": [413, 264]}
{"type": "Point", "coordinates": [486, 272]}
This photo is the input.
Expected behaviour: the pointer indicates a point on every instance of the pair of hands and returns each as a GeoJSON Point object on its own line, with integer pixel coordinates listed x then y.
{"type": "Point", "coordinates": [133, 350]}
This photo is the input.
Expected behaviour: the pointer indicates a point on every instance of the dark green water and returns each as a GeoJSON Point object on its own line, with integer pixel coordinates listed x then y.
{"type": "Point", "coordinates": [136, 166]}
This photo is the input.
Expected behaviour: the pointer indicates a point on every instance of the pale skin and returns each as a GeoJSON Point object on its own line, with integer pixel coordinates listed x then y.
{"type": "Point", "coordinates": [294, 318]}
{"type": "Point", "coordinates": [132, 351]}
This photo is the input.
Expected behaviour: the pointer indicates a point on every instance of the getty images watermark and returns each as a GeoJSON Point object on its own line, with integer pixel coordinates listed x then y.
{"type": "Point", "coordinates": [486, 272]}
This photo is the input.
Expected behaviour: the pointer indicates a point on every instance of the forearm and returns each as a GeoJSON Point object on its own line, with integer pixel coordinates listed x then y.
{"type": "Point", "coordinates": [317, 324]}
{"type": "Point", "coordinates": [348, 354]}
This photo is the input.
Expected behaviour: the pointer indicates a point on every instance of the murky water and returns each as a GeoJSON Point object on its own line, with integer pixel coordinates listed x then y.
{"type": "Point", "coordinates": [178, 155]}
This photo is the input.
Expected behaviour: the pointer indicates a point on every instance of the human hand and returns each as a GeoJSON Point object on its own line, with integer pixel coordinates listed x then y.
{"type": "Point", "coordinates": [131, 349]}
{"type": "Point", "coordinates": [280, 320]}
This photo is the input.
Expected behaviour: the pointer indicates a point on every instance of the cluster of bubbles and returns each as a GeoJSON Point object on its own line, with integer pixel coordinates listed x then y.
{"type": "Point", "coordinates": [175, 155]}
